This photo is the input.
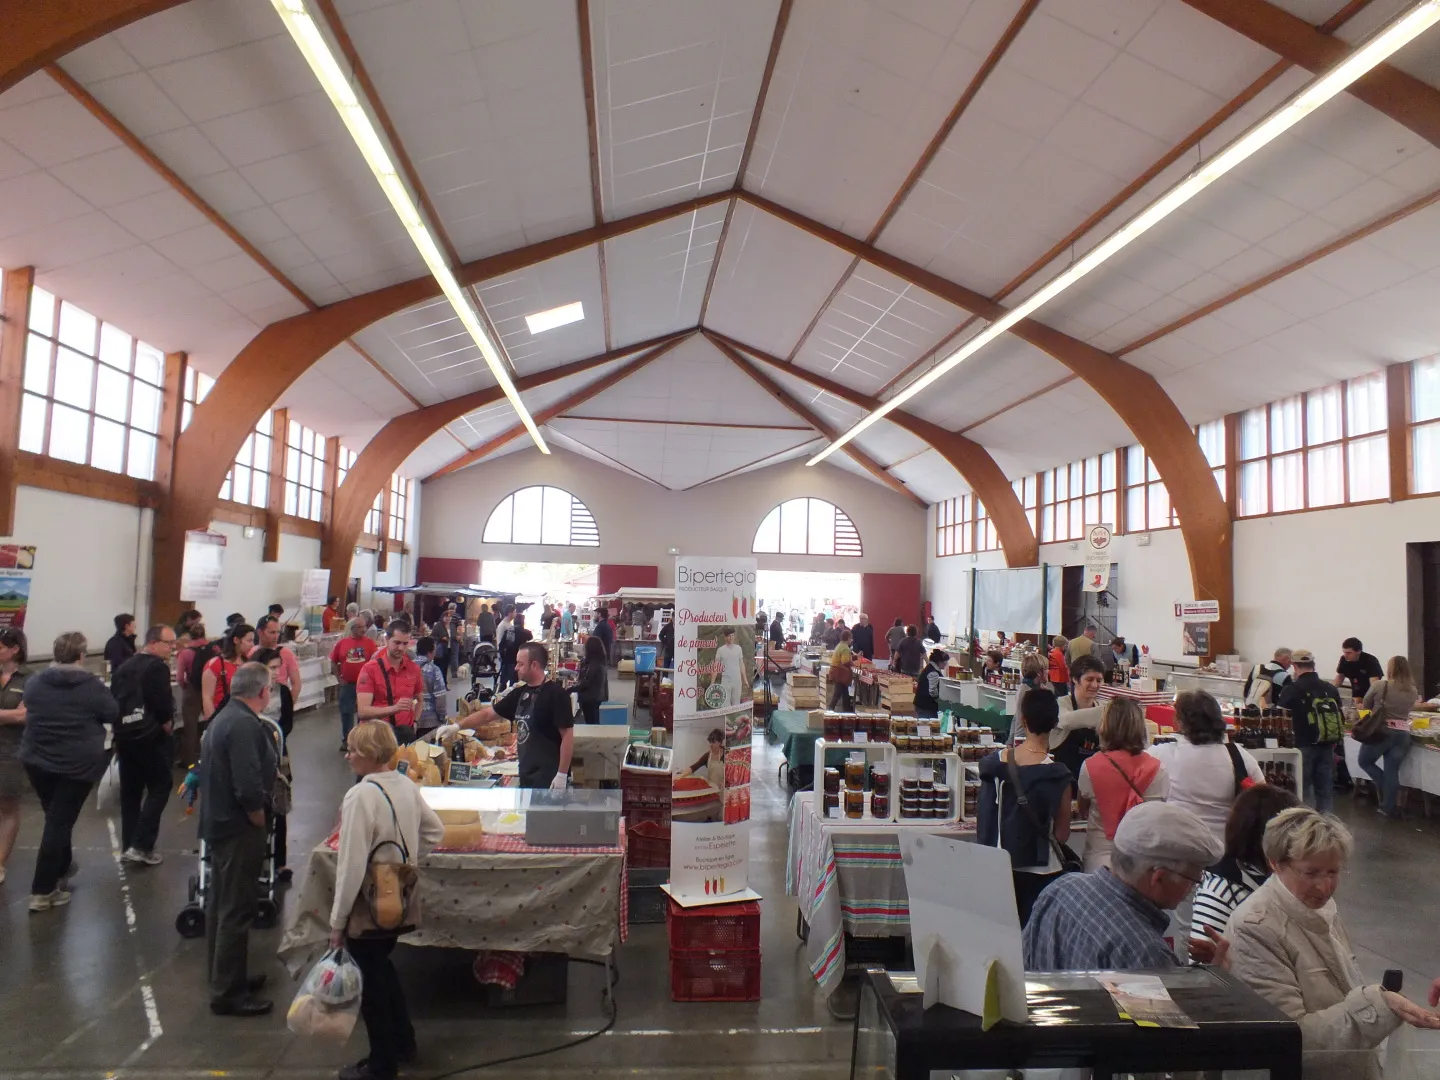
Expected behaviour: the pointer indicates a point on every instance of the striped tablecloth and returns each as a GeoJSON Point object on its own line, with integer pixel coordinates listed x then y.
{"type": "Point", "coordinates": [847, 878]}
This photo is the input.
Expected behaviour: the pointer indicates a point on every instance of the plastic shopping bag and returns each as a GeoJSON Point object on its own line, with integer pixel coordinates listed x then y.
{"type": "Point", "coordinates": [328, 1003]}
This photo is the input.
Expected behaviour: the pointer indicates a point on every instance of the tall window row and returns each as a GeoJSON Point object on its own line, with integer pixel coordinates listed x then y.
{"type": "Point", "coordinates": [963, 526]}
{"type": "Point", "coordinates": [304, 472]}
{"type": "Point", "coordinates": [1425, 426]}
{"type": "Point", "coordinates": [92, 393]}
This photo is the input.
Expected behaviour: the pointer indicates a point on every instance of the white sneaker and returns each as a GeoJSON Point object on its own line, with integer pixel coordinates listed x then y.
{"type": "Point", "coordinates": [2, 875]}
{"type": "Point", "coordinates": [46, 901]}
{"type": "Point", "coordinates": [148, 858]}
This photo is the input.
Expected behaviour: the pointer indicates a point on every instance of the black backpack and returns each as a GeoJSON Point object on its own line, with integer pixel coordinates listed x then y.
{"type": "Point", "coordinates": [127, 685]}
{"type": "Point", "coordinates": [203, 655]}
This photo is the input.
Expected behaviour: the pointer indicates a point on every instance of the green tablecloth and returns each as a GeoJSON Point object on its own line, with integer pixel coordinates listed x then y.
{"type": "Point", "coordinates": [789, 730]}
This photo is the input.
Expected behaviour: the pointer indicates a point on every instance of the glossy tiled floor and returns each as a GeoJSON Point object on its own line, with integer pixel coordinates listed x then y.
{"type": "Point", "coordinates": [76, 985]}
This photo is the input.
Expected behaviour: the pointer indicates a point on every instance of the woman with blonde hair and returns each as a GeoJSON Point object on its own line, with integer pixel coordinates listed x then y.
{"type": "Point", "coordinates": [1288, 944]}
{"type": "Point", "coordinates": [1118, 777]}
{"type": "Point", "coordinates": [383, 819]}
{"type": "Point", "coordinates": [1393, 696]}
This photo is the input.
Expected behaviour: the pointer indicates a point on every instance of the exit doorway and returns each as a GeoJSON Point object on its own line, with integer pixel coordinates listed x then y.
{"type": "Point", "coordinates": [1422, 564]}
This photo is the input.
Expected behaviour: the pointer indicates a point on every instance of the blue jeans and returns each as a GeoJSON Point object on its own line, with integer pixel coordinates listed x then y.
{"type": "Point", "coordinates": [348, 709]}
{"type": "Point", "coordinates": [1318, 764]}
{"type": "Point", "coordinates": [1393, 748]}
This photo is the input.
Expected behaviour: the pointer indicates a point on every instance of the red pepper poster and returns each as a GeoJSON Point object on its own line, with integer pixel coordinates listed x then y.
{"type": "Point", "coordinates": [17, 565]}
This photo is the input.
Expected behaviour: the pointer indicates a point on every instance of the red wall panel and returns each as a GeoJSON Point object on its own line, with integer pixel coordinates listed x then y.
{"type": "Point", "coordinates": [447, 571]}
{"type": "Point", "coordinates": [887, 597]}
{"type": "Point", "coordinates": [612, 576]}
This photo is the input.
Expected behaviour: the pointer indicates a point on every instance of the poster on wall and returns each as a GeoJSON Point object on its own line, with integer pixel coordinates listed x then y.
{"type": "Point", "coordinates": [313, 586]}
{"type": "Point", "coordinates": [1097, 558]}
{"type": "Point", "coordinates": [715, 606]}
{"type": "Point", "coordinates": [1195, 637]}
{"type": "Point", "coordinates": [17, 565]}
{"type": "Point", "coordinates": [203, 566]}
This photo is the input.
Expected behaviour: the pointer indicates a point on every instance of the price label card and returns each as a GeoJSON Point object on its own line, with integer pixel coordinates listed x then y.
{"type": "Point", "coordinates": [923, 729]}
{"type": "Point", "coordinates": [926, 774]}
{"type": "Point", "coordinates": [459, 772]}
{"type": "Point", "coordinates": [862, 737]}
{"type": "Point", "coordinates": [833, 813]}
{"type": "Point", "coordinates": [1272, 744]}
{"type": "Point", "coordinates": [857, 756]}
{"type": "Point", "coordinates": [987, 738]}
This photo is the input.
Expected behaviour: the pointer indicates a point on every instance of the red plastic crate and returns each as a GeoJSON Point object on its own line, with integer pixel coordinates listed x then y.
{"type": "Point", "coordinates": [638, 787]}
{"type": "Point", "coordinates": [648, 845]}
{"type": "Point", "coordinates": [715, 976]}
{"type": "Point", "coordinates": [651, 813]}
{"type": "Point", "coordinates": [717, 926]}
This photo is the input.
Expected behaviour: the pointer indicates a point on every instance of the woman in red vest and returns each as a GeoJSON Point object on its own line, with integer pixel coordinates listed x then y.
{"type": "Point", "coordinates": [1119, 776]}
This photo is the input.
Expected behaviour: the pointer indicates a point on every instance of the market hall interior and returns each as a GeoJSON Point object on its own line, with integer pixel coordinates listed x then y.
{"type": "Point", "coordinates": [537, 296]}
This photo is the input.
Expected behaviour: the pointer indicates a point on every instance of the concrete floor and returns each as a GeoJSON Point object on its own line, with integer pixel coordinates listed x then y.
{"type": "Point", "coordinates": [84, 991]}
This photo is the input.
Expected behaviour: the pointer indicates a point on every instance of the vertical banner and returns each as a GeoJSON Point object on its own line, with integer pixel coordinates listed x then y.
{"type": "Point", "coordinates": [313, 585]}
{"type": "Point", "coordinates": [715, 605]}
{"type": "Point", "coordinates": [17, 565]}
{"type": "Point", "coordinates": [203, 566]}
{"type": "Point", "coordinates": [1097, 558]}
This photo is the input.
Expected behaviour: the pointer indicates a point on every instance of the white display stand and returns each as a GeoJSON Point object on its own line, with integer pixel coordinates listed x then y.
{"type": "Point", "coordinates": [1290, 756]}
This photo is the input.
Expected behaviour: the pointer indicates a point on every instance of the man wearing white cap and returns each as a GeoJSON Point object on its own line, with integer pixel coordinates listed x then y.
{"type": "Point", "coordinates": [1116, 919]}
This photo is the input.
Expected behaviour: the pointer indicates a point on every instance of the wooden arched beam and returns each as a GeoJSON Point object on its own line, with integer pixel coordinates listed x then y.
{"type": "Point", "coordinates": [971, 460]}
{"type": "Point", "coordinates": [285, 350]}
{"type": "Point", "coordinates": [37, 32]}
{"type": "Point", "coordinates": [399, 438]}
{"type": "Point", "coordinates": [1386, 89]}
{"type": "Point", "coordinates": [1134, 394]}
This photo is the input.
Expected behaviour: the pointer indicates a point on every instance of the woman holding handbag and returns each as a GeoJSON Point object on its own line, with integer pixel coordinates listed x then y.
{"type": "Point", "coordinates": [1117, 778]}
{"type": "Point", "coordinates": [385, 826]}
{"type": "Point", "coordinates": [1024, 806]}
{"type": "Point", "coordinates": [1391, 698]}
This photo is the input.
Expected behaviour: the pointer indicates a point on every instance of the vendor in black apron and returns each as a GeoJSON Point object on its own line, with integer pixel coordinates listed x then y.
{"type": "Point", "coordinates": [1077, 736]}
{"type": "Point", "coordinates": [927, 686]}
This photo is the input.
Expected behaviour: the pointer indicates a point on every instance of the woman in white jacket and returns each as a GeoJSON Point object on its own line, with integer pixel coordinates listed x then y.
{"type": "Point", "coordinates": [382, 806]}
{"type": "Point", "coordinates": [1288, 944]}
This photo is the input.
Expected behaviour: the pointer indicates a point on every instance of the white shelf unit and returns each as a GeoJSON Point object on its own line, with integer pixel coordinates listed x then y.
{"type": "Point", "coordinates": [874, 753]}
{"type": "Point", "coordinates": [1291, 756]}
{"type": "Point", "coordinates": [954, 778]}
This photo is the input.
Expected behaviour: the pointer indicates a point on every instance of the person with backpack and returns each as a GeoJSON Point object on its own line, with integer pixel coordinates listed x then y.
{"type": "Point", "coordinates": [235, 647]}
{"type": "Point", "coordinates": [1268, 679]}
{"type": "Point", "coordinates": [1319, 724]}
{"type": "Point", "coordinates": [1024, 804]}
{"type": "Point", "coordinates": [144, 743]}
{"type": "Point", "coordinates": [1116, 779]}
{"type": "Point", "coordinates": [1391, 698]}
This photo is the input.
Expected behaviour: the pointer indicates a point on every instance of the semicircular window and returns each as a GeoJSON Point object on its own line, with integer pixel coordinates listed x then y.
{"type": "Point", "coordinates": [542, 515]}
{"type": "Point", "coordinates": [807, 527]}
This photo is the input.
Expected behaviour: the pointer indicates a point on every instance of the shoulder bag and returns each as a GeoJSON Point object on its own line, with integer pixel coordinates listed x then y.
{"type": "Point", "coordinates": [839, 674]}
{"type": "Point", "coordinates": [1243, 779]}
{"type": "Point", "coordinates": [389, 903]}
{"type": "Point", "coordinates": [1371, 728]}
{"type": "Point", "coordinates": [1070, 863]}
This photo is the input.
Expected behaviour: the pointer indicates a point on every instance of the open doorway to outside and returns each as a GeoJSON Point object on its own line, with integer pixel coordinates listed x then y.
{"type": "Point", "coordinates": [557, 583]}
{"type": "Point", "coordinates": [800, 594]}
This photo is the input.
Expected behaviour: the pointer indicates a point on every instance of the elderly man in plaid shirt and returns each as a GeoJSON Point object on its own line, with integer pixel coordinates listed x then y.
{"type": "Point", "coordinates": [1116, 919]}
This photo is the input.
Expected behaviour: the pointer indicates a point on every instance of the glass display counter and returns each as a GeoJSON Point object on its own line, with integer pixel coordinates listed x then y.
{"type": "Point", "coordinates": [1073, 1025]}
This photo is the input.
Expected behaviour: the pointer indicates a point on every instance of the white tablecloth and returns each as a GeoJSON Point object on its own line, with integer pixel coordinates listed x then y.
{"type": "Point", "coordinates": [1420, 769]}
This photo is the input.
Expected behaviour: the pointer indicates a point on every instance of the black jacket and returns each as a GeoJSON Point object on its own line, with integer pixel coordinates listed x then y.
{"type": "Point", "coordinates": [593, 685]}
{"type": "Point", "coordinates": [142, 685]}
{"type": "Point", "coordinates": [777, 634]}
{"type": "Point", "coordinates": [66, 709]}
{"type": "Point", "coordinates": [237, 771]}
{"type": "Point", "coordinates": [119, 648]}
{"type": "Point", "coordinates": [862, 640]}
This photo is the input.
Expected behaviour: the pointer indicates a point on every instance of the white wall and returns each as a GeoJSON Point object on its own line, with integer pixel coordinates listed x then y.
{"type": "Point", "coordinates": [92, 562]}
{"type": "Point", "coordinates": [639, 522]}
{"type": "Point", "coordinates": [249, 585]}
{"type": "Point", "coordinates": [1309, 579]}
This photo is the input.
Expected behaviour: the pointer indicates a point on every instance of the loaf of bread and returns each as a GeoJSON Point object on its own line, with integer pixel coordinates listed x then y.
{"type": "Point", "coordinates": [458, 817]}
{"type": "Point", "coordinates": [460, 837]}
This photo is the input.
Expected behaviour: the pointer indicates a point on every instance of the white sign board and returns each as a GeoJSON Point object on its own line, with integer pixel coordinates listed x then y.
{"type": "Point", "coordinates": [964, 926]}
{"type": "Point", "coordinates": [1097, 558]}
{"type": "Point", "coordinates": [1197, 611]}
{"type": "Point", "coordinates": [313, 585]}
{"type": "Point", "coordinates": [203, 565]}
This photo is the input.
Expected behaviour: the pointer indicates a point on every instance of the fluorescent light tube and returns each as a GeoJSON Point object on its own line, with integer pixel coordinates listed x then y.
{"type": "Point", "coordinates": [1376, 49]}
{"type": "Point", "coordinates": [563, 315]}
{"type": "Point", "coordinates": [305, 31]}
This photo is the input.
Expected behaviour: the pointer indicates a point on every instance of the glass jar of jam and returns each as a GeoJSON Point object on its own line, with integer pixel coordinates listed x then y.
{"type": "Point", "coordinates": [909, 787]}
{"type": "Point", "coordinates": [854, 803]}
{"type": "Point", "coordinates": [855, 775]}
{"type": "Point", "coordinates": [832, 727]}
{"type": "Point", "coordinates": [879, 804]}
{"type": "Point", "coordinates": [880, 779]}
{"type": "Point", "coordinates": [832, 781]}
{"type": "Point", "coordinates": [862, 726]}
{"type": "Point", "coordinates": [832, 801]}
{"type": "Point", "coordinates": [942, 799]}
{"type": "Point", "coordinates": [909, 808]}
{"type": "Point", "coordinates": [847, 727]}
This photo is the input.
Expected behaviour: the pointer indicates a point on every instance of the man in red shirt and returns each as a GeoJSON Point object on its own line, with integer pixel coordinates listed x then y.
{"type": "Point", "coordinates": [346, 659]}
{"type": "Point", "coordinates": [390, 684]}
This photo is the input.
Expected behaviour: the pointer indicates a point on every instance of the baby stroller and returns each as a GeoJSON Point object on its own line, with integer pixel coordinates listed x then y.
{"type": "Point", "coordinates": [190, 923]}
{"type": "Point", "coordinates": [484, 667]}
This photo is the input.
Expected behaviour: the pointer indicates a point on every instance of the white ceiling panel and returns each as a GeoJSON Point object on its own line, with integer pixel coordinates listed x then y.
{"type": "Point", "coordinates": [487, 99]}
{"type": "Point", "coordinates": [343, 395]}
{"type": "Point", "coordinates": [434, 453]}
{"type": "Point", "coordinates": [657, 275]}
{"type": "Point", "coordinates": [1001, 374]}
{"type": "Point", "coordinates": [428, 351]}
{"type": "Point", "coordinates": [676, 83]}
{"type": "Point", "coordinates": [692, 382]}
{"type": "Point", "coordinates": [564, 280]}
{"type": "Point", "coordinates": [834, 410]}
{"type": "Point", "coordinates": [876, 327]}
{"type": "Point", "coordinates": [931, 477]}
{"type": "Point", "coordinates": [858, 91]}
{"type": "Point", "coordinates": [793, 454]}
{"type": "Point", "coordinates": [772, 279]}
{"type": "Point", "coordinates": [1065, 424]}
{"type": "Point", "coordinates": [888, 443]}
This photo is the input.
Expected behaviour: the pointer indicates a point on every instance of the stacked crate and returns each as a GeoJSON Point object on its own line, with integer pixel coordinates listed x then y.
{"type": "Point", "coordinates": [714, 952]}
{"type": "Point", "coordinates": [804, 691]}
{"type": "Point", "coordinates": [897, 694]}
{"type": "Point", "coordinates": [645, 799]}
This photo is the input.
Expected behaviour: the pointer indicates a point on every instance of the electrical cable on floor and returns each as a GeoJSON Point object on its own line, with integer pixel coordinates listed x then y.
{"type": "Point", "coordinates": [614, 1012]}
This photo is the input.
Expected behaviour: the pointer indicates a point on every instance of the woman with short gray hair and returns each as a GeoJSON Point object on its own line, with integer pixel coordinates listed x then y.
{"type": "Point", "coordinates": [63, 750]}
{"type": "Point", "coordinates": [1288, 943]}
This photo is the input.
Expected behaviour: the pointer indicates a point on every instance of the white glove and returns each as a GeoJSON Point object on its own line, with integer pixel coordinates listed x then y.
{"type": "Point", "coordinates": [445, 730]}
{"type": "Point", "coordinates": [560, 781]}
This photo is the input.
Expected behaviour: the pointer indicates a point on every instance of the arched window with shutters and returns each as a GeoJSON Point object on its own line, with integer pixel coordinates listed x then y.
{"type": "Point", "coordinates": [542, 515]}
{"type": "Point", "coordinates": [807, 527]}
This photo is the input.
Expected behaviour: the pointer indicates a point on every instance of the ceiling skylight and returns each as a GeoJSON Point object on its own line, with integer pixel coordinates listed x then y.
{"type": "Point", "coordinates": [563, 315]}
